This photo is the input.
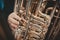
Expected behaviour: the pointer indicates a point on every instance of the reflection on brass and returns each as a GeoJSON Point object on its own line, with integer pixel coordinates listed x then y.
{"type": "Point", "coordinates": [34, 22]}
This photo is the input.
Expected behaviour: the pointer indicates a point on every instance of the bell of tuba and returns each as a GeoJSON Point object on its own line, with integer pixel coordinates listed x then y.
{"type": "Point", "coordinates": [34, 21]}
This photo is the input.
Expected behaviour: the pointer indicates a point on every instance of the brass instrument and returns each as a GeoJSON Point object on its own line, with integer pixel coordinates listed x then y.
{"type": "Point", "coordinates": [34, 23]}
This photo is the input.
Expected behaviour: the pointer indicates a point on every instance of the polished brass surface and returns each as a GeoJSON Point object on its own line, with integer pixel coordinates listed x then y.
{"type": "Point", "coordinates": [34, 21]}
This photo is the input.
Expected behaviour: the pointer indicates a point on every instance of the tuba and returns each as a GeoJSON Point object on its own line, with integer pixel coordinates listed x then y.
{"type": "Point", "coordinates": [35, 19]}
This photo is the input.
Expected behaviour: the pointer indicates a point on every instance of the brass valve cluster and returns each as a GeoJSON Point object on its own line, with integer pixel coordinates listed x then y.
{"type": "Point", "coordinates": [34, 23]}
